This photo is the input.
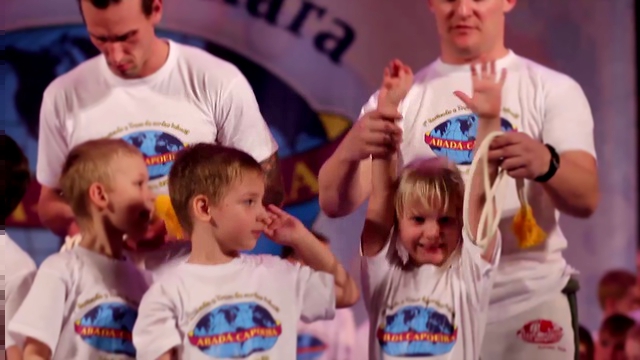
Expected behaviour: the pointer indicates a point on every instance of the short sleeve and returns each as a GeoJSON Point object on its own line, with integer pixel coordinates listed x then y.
{"type": "Point", "coordinates": [375, 270]}
{"type": "Point", "coordinates": [52, 144]}
{"type": "Point", "coordinates": [16, 290]}
{"type": "Point", "coordinates": [156, 329]}
{"type": "Point", "coordinates": [240, 123]}
{"type": "Point", "coordinates": [42, 321]}
{"type": "Point", "coordinates": [477, 272]}
{"type": "Point", "coordinates": [568, 122]}
{"type": "Point", "coordinates": [345, 334]}
{"type": "Point", "coordinates": [316, 294]}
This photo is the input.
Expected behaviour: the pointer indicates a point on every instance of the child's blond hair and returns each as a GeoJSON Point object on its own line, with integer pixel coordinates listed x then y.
{"type": "Point", "coordinates": [430, 182]}
{"type": "Point", "coordinates": [209, 170]}
{"type": "Point", "coordinates": [89, 163]}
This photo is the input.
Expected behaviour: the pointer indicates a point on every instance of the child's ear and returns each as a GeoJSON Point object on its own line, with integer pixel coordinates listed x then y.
{"type": "Point", "coordinates": [98, 195]}
{"type": "Point", "coordinates": [200, 207]}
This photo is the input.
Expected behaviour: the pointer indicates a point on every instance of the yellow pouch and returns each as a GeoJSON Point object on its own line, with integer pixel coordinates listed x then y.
{"type": "Point", "coordinates": [164, 210]}
{"type": "Point", "coordinates": [525, 227]}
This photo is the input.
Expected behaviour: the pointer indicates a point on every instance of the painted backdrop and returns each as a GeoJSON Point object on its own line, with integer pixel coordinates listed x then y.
{"type": "Point", "coordinates": [312, 64]}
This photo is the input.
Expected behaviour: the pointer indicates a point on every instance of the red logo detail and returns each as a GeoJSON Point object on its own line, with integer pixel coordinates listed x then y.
{"type": "Point", "coordinates": [541, 332]}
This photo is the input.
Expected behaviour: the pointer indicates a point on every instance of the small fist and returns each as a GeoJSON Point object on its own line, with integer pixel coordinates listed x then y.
{"type": "Point", "coordinates": [396, 82]}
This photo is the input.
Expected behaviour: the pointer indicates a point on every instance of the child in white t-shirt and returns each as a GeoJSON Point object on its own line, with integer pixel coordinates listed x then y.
{"type": "Point", "coordinates": [425, 282]}
{"type": "Point", "coordinates": [19, 268]}
{"type": "Point", "coordinates": [325, 339]}
{"type": "Point", "coordinates": [83, 302]}
{"type": "Point", "coordinates": [222, 303]}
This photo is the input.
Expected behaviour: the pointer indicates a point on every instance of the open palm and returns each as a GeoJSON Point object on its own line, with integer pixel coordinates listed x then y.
{"type": "Point", "coordinates": [486, 99]}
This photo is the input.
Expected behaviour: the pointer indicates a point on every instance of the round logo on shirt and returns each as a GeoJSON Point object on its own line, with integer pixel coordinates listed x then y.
{"type": "Point", "coordinates": [417, 331]}
{"type": "Point", "coordinates": [235, 331]}
{"type": "Point", "coordinates": [159, 150]}
{"type": "Point", "coordinates": [455, 138]}
{"type": "Point", "coordinates": [310, 347]}
{"type": "Point", "coordinates": [108, 327]}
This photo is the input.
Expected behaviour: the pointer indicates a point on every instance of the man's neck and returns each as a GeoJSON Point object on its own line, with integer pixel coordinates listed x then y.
{"type": "Point", "coordinates": [205, 250]}
{"type": "Point", "coordinates": [461, 58]}
{"type": "Point", "coordinates": [159, 55]}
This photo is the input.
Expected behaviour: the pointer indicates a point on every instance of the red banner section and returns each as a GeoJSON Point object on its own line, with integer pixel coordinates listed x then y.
{"type": "Point", "coordinates": [300, 173]}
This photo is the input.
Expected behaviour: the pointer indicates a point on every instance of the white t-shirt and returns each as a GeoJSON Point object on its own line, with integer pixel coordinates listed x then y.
{"type": "Point", "coordinates": [247, 308]}
{"type": "Point", "coordinates": [545, 104]}
{"type": "Point", "coordinates": [429, 311]}
{"type": "Point", "coordinates": [194, 97]}
{"type": "Point", "coordinates": [19, 271]}
{"type": "Point", "coordinates": [83, 305]}
{"type": "Point", "coordinates": [328, 339]}
{"type": "Point", "coordinates": [361, 349]}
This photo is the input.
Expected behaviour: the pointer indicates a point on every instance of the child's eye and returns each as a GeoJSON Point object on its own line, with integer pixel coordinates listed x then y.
{"type": "Point", "coordinates": [418, 219]}
{"type": "Point", "coordinates": [445, 220]}
{"type": "Point", "coordinates": [249, 201]}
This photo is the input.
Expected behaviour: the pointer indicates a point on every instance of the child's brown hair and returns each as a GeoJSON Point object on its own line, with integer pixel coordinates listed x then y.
{"type": "Point", "coordinates": [205, 169]}
{"type": "Point", "coordinates": [615, 284]}
{"type": "Point", "coordinates": [89, 163]}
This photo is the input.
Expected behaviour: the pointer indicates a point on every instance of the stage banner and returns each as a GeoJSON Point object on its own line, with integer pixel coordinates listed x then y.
{"type": "Point", "coordinates": [313, 63]}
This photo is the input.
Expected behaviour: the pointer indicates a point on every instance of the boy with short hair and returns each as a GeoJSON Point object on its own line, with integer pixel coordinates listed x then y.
{"type": "Point", "coordinates": [19, 268]}
{"type": "Point", "coordinates": [325, 340]}
{"type": "Point", "coordinates": [222, 303]}
{"type": "Point", "coordinates": [83, 302]}
{"type": "Point", "coordinates": [612, 336]}
{"type": "Point", "coordinates": [618, 293]}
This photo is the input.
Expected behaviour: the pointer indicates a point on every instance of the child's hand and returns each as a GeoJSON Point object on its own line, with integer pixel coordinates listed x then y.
{"type": "Point", "coordinates": [396, 82]}
{"type": "Point", "coordinates": [283, 228]}
{"type": "Point", "coordinates": [486, 100]}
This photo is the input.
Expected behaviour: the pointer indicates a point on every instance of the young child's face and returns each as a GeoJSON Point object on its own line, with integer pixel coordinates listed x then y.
{"type": "Point", "coordinates": [609, 347]}
{"type": "Point", "coordinates": [238, 219]}
{"type": "Point", "coordinates": [429, 235]}
{"type": "Point", "coordinates": [129, 196]}
{"type": "Point", "coordinates": [632, 349]}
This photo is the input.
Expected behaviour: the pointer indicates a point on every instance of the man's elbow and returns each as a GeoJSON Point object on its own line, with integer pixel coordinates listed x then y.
{"type": "Point", "coordinates": [332, 207]}
{"type": "Point", "coordinates": [347, 296]}
{"type": "Point", "coordinates": [589, 205]}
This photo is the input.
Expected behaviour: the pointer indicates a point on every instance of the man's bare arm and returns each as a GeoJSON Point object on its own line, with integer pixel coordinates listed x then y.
{"type": "Point", "coordinates": [55, 214]}
{"type": "Point", "coordinates": [274, 188]}
{"type": "Point", "coordinates": [574, 188]}
{"type": "Point", "coordinates": [343, 185]}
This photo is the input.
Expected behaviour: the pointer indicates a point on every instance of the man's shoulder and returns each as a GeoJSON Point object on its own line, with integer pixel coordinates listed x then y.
{"type": "Point", "coordinates": [206, 65]}
{"type": "Point", "coordinates": [77, 79]}
{"type": "Point", "coordinates": [547, 76]}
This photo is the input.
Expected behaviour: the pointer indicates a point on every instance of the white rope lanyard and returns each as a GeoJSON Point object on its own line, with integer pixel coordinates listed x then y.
{"type": "Point", "coordinates": [492, 210]}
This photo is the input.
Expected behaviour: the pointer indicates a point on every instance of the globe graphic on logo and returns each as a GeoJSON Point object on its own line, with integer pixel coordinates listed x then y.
{"type": "Point", "coordinates": [35, 57]}
{"type": "Point", "coordinates": [155, 144]}
{"type": "Point", "coordinates": [420, 331]}
{"type": "Point", "coordinates": [455, 137]}
{"type": "Point", "coordinates": [235, 331]}
{"type": "Point", "coordinates": [108, 327]}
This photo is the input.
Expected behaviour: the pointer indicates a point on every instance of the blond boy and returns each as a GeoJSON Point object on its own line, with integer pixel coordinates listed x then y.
{"type": "Point", "coordinates": [83, 302]}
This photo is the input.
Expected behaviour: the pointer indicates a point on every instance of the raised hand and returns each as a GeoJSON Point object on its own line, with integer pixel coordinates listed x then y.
{"type": "Point", "coordinates": [396, 82]}
{"type": "Point", "coordinates": [486, 100]}
{"type": "Point", "coordinates": [283, 228]}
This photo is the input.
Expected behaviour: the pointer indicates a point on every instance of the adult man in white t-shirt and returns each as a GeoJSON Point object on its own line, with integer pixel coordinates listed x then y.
{"type": "Point", "coordinates": [156, 94]}
{"type": "Point", "coordinates": [552, 147]}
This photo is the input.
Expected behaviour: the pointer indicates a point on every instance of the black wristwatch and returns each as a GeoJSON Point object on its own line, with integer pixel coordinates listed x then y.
{"type": "Point", "coordinates": [554, 164]}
